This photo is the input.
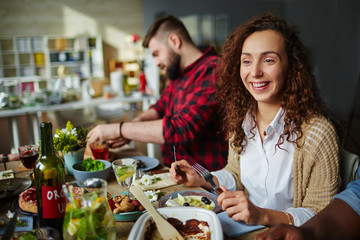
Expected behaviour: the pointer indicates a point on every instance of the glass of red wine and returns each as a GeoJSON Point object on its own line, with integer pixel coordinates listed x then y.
{"type": "Point", "coordinates": [28, 155]}
{"type": "Point", "coordinates": [100, 150]}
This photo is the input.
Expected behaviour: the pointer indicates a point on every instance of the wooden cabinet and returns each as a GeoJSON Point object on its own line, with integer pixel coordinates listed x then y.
{"type": "Point", "coordinates": [49, 56]}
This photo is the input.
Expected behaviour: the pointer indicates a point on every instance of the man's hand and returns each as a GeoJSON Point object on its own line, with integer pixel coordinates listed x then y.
{"type": "Point", "coordinates": [281, 232]}
{"type": "Point", "coordinates": [118, 142]}
{"type": "Point", "coordinates": [104, 132]}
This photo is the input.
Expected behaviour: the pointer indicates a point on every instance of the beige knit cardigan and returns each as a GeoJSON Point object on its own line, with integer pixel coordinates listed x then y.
{"type": "Point", "coordinates": [315, 165]}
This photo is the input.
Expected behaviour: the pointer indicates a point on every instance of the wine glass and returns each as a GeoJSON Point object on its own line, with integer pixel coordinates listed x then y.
{"type": "Point", "coordinates": [28, 155]}
{"type": "Point", "coordinates": [124, 170]}
{"type": "Point", "coordinates": [100, 150]}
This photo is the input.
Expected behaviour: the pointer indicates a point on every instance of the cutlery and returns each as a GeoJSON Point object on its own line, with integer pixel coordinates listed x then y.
{"type": "Point", "coordinates": [177, 168]}
{"type": "Point", "coordinates": [158, 171]}
{"type": "Point", "coordinates": [207, 176]}
{"type": "Point", "coordinates": [10, 228]}
{"type": "Point", "coordinates": [166, 230]}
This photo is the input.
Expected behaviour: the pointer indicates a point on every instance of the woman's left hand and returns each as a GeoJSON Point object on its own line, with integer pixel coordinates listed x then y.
{"type": "Point", "coordinates": [238, 206]}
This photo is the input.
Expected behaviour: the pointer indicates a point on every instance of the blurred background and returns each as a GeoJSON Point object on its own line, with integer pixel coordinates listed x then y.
{"type": "Point", "coordinates": [55, 52]}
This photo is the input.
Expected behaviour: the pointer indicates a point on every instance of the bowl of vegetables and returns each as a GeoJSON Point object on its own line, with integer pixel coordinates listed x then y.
{"type": "Point", "coordinates": [91, 168]}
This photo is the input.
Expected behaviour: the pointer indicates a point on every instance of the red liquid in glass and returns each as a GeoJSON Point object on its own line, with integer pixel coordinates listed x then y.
{"type": "Point", "coordinates": [29, 157]}
{"type": "Point", "coordinates": [100, 152]}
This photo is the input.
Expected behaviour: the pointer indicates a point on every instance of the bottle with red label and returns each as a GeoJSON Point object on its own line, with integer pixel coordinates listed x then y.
{"type": "Point", "coordinates": [49, 177]}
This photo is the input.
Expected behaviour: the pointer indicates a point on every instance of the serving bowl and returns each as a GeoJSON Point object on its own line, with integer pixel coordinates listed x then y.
{"type": "Point", "coordinates": [127, 216]}
{"type": "Point", "coordinates": [83, 175]}
{"type": "Point", "coordinates": [183, 214]}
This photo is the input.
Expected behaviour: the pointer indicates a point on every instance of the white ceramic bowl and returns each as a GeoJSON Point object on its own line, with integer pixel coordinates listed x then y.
{"type": "Point", "coordinates": [83, 175]}
{"type": "Point", "coordinates": [182, 213]}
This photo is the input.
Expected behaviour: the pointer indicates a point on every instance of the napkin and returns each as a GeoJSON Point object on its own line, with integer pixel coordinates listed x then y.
{"type": "Point", "coordinates": [164, 182]}
{"type": "Point", "coordinates": [235, 229]}
{"type": "Point", "coordinates": [29, 225]}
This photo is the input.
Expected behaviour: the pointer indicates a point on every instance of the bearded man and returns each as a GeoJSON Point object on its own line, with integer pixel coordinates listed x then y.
{"type": "Point", "coordinates": [185, 116]}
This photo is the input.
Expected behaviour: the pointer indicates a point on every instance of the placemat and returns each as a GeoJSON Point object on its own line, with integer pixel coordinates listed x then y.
{"type": "Point", "coordinates": [164, 182]}
{"type": "Point", "coordinates": [235, 229]}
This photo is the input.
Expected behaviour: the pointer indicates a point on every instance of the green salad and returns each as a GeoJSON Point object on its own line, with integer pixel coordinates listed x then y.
{"type": "Point", "coordinates": [91, 165]}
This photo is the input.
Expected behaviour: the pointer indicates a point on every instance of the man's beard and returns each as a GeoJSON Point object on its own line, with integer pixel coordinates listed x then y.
{"type": "Point", "coordinates": [173, 69]}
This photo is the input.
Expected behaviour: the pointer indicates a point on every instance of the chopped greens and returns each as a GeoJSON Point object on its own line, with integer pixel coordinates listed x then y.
{"type": "Point", "coordinates": [20, 223]}
{"type": "Point", "coordinates": [91, 165]}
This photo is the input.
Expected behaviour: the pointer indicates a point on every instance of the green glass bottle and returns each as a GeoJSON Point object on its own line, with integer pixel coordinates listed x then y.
{"type": "Point", "coordinates": [49, 177]}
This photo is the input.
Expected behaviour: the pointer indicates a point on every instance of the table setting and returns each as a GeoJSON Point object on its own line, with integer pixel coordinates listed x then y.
{"type": "Point", "coordinates": [138, 170]}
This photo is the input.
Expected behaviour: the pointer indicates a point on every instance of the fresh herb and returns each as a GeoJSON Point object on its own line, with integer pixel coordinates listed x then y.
{"type": "Point", "coordinates": [70, 138]}
{"type": "Point", "coordinates": [28, 236]}
{"type": "Point", "coordinates": [91, 165]}
{"type": "Point", "coordinates": [20, 223]}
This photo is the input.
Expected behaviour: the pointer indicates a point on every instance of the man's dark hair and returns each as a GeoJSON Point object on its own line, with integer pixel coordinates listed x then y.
{"type": "Point", "coordinates": [164, 26]}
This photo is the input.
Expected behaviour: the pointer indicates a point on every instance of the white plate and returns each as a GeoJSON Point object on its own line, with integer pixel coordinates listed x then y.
{"type": "Point", "coordinates": [211, 196]}
{"type": "Point", "coordinates": [150, 163]}
{"type": "Point", "coordinates": [182, 213]}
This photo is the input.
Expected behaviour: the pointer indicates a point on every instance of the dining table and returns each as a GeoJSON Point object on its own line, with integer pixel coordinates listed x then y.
{"type": "Point", "coordinates": [123, 228]}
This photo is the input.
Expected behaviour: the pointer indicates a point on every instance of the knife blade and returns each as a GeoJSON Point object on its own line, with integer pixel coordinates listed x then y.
{"type": "Point", "coordinates": [10, 228]}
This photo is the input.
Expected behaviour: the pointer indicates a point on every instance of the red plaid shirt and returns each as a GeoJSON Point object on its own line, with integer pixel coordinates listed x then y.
{"type": "Point", "coordinates": [189, 112]}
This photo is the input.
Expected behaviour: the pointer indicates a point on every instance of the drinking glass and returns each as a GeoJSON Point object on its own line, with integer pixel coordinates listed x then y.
{"type": "Point", "coordinates": [100, 150]}
{"type": "Point", "coordinates": [124, 170]}
{"type": "Point", "coordinates": [28, 155]}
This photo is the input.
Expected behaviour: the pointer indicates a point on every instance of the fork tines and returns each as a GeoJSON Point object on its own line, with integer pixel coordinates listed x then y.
{"type": "Point", "coordinates": [207, 176]}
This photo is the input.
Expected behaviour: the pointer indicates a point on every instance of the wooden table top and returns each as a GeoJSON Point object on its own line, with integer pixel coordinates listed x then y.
{"type": "Point", "coordinates": [122, 228]}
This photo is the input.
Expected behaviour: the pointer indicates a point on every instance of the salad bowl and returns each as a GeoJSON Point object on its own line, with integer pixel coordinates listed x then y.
{"type": "Point", "coordinates": [82, 175]}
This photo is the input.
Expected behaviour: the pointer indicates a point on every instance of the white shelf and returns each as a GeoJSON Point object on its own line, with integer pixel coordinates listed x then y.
{"type": "Point", "coordinates": [19, 52]}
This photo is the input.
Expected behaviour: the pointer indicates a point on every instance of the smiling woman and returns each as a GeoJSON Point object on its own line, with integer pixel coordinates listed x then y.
{"type": "Point", "coordinates": [264, 66]}
{"type": "Point", "coordinates": [277, 129]}
{"type": "Point", "coordinates": [276, 123]}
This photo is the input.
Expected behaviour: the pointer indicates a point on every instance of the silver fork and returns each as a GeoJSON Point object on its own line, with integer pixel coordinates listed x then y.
{"type": "Point", "coordinates": [207, 176]}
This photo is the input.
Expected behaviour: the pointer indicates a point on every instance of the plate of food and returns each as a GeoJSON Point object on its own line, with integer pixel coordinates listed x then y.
{"type": "Point", "coordinates": [146, 163]}
{"type": "Point", "coordinates": [124, 208]}
{"type": "Point", "coordinates": [14, 186]}
{"type": "Point", "coordinates": [191, 198]}
{"type": "Point", "coordinates": [26, 203]}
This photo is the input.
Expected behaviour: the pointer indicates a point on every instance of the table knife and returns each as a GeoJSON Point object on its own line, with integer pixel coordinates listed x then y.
{"type": "Point", "coordinates": [177, 168]}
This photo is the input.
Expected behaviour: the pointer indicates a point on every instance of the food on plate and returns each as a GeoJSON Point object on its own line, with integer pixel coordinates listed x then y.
{"type": "Point", "coordinates": [31, 235]}
{"type": "Point", "coordinates": [140, 164]}
{"type": "Point", "coordinates": [6, 174]}
{"type": "Point", "coordinates": [27, 200]}
{"type": "Point", "coordinates": [122, 204]}
{"type": "Point", "coordinates": [192, 229]}
{"type": "Point", "coordinates": [191, 201]}
{"type": "Point", "coordinates": [108, 195]}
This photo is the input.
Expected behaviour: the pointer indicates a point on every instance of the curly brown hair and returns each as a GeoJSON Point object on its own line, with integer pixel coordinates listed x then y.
{"type": "Point", "coordinates": [300, 96]}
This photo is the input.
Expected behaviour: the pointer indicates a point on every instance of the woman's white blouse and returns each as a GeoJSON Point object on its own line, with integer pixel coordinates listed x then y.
{"type": "Point", "coordinates": [266, 171]}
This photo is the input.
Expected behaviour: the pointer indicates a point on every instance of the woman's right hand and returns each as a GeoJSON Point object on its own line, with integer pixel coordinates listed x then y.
{"type": "Point", "coordinates": [187, 175]}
